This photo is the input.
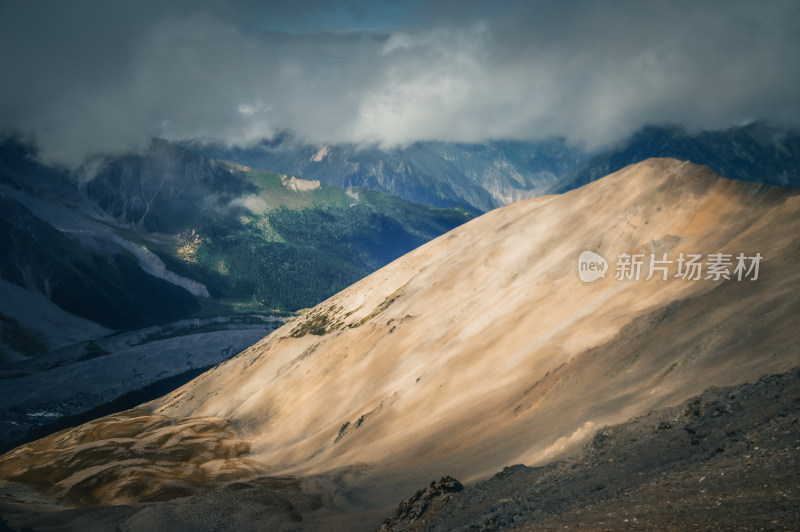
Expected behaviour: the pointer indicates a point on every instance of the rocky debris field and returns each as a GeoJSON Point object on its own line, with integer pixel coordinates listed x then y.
{"type": "Point", "coordinates": [727, 459]}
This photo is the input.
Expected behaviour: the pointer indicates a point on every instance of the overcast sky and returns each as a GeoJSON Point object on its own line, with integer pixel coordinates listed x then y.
{"type": "Point", "coordinates": [88, 77]}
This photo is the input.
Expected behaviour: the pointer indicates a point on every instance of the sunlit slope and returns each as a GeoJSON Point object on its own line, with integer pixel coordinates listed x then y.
{"type": "Point", "coordinates": [486, 341]}
{"type": "Point", "coordinates": [484, 348]}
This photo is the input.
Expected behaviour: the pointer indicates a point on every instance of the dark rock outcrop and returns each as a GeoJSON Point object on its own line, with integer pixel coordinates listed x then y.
{"type": "Point", "coordinates": [412, 511]}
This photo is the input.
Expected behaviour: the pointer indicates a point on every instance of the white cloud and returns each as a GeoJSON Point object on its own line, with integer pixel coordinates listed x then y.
{"type": "Point", "coordinates": [90, 79]}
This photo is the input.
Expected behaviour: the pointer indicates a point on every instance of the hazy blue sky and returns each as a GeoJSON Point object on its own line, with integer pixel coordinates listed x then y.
{"type": "Point", "coordinates": [84, 77]}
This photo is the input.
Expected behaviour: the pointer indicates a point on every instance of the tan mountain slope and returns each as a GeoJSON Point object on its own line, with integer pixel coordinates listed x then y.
{"type": "Point", "coordinates": [481, 349]}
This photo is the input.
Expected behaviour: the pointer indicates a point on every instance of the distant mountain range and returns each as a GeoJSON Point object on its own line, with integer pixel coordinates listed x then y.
{"type": "Point", "coordinates": [191, 226]}
{"type": "Point", "coordinates": [481, 177]}
{"type": "Point", "coordinates": [284, 241]}
{"type": "Point", "coordinates": [755, 153]}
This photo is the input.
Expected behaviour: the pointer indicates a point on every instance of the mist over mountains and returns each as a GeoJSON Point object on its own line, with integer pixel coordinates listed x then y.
{"type": "Point", "coordinates": [479, 177]}
{"type": "Point", "coordinates": [88, 78]}
{"type": "Point", "coordinates": [484, 176]}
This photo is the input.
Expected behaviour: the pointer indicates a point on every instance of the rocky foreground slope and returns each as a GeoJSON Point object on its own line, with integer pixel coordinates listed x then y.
{"type": "Point", "coordinates": [726, 459]}
{"type": "Point", "coordinates": [482, 348]}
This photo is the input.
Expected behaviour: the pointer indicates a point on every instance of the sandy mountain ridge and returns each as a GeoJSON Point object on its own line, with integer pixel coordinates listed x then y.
{"type": "Point", "coordinates": [480, 349]}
